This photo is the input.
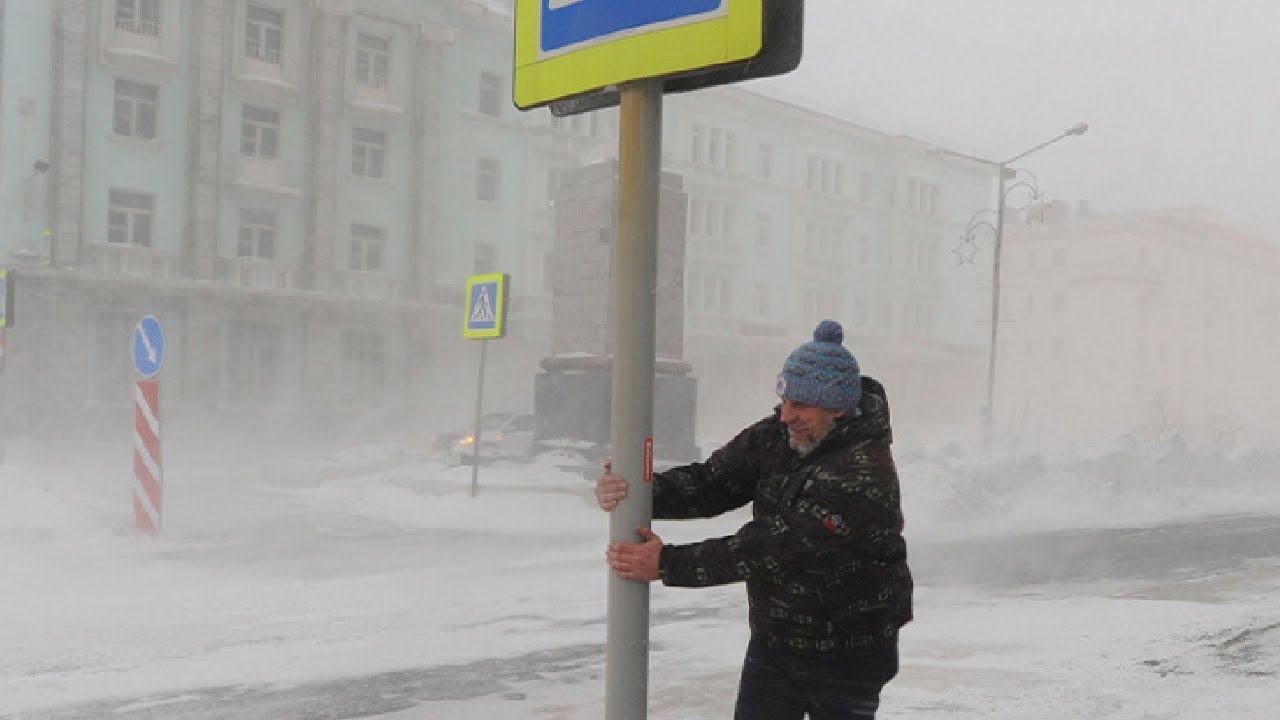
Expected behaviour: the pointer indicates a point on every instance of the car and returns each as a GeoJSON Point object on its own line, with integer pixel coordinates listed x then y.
{"type": "Point", "coordinates": [503, 436]}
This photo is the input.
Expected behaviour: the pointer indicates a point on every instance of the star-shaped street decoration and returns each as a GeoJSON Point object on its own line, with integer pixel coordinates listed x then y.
{"type": "Point", "coordinates": [966, 251]}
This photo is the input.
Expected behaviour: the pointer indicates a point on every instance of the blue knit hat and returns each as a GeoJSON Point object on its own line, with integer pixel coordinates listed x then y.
{"type": "Point", "coordinates": [822, 373]}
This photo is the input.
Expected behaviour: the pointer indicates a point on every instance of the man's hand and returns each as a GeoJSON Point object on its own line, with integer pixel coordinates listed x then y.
{"type": "Point", "coordinates": [610, 488]}
{"type": "Point", "coordinates": [637, 561]}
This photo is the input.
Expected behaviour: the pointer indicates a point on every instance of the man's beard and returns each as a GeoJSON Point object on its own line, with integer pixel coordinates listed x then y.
{"type": "Point", "coordinates": [805, 447]}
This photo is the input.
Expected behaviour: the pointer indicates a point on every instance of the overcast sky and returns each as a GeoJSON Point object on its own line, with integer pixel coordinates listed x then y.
{"type": "Point", "coordinates": [1182, 96]}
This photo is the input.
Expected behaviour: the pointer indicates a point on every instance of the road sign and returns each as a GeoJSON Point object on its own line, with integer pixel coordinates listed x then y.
{"type": "Point", "coordinates": [6, 299]}
{"type": "Point", "coordinates": [486, 306]}
{"type": "Point", "coordinates": [148, 347]}
{"type": "Point", "coordinates": [569, 47]}
{"type": "Point", "coordinates": [781, 52]}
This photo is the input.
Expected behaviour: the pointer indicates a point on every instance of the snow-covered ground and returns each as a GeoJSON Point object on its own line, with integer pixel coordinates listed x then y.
{"type": "Point", "coordinates": [374, 584]}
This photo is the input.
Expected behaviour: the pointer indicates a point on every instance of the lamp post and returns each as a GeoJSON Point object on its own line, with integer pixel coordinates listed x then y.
{"type": "Point", "coordinates": [1002, 168]}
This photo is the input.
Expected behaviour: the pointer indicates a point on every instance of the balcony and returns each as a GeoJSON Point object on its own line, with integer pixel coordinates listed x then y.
{"type": "Point", "coordinates": [141, 48]}
{"type": "Point", "coordinates": [263, 175]}
{"type": "Point", "coordinates": [367, 284]}
{"type": "Point", "coordinates": [134, 261]}
{"type": "Point", "coordinates": [265, 76]}
{"type": "Point", "coordinates": [377, 101]}
{"type": "Point", "coordinates": [255, 273]}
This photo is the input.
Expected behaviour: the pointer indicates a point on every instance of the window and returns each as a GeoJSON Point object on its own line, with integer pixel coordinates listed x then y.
{"type": "Point", "coordinates": [716, 295]}
{"type": "Point", "coordinates": [815, 173]}
{"type": "Point", "coordinates": [866, 185]}
{"type": "Point", "coordinates": [129, 217]}
{"type": "Point", "coordinates": [864, 250]}
{"type": "Point", "coordinates": [257, 238]}
{"type": "Point", "coordinates": [764, 167]}
{"type": "Point", "coordinates": [112, 370]}
{"type": "Point", "coordinates": [259, 133]}
{"type": "Point", "coordinates": [861, 312]}
{"type": "Point", "coordinates": [697, 148]}
{"type": "Point", "coordinates": [367, 243]}
{"type": "Point", "coordinates": [760, 301]}
{"type": "Point", "coordinates": [373, 61]}
{"type": "Point", "coordinates": [491, 95]}
{"type": "Point", "coordinates": [764, 229]}
{"type": "Point", "coordinates": [548, 272]}
{"type": "Point", "coordinates": [364, 365]}
{"type": "Point", "coordinates": [487, 175]}
{"type": "Point", "coordinates": [253, 361]}
{"type": "Point", "coordinates": [141, 17]}
{"type": "Point", "coordinates": [729, 223]}
{"type": "Point", "coordinates": [264, 34]}
{"type": "Point", "coordinates": [136, 107]}
{"type": "Point", "coordinates": [368, 153]}
{"type": "Point", "coordinates": [714, 147]}
{"type": "Point", "coordinates": [486, 258]}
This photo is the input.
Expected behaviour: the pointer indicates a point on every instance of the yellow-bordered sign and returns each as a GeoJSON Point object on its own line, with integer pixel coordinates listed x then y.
{"type": "Point", "coordinates": [486, 306]}
{"type": "Point", "coordinates": [568, 47]}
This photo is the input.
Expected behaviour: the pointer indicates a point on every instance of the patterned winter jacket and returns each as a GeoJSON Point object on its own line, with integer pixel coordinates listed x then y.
{"type": "Point", "coordinates": [823, 557]}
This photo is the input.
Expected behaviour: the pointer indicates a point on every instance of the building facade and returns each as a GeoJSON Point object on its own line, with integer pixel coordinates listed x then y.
{"type": "Point", "coordinates": [300, 189]}
{"type": "Point", "coordinates": [1142, 325]}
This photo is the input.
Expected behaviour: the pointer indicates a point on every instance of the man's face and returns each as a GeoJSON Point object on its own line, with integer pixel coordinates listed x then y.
{"type": "Point", "coordinates": [807, 424]}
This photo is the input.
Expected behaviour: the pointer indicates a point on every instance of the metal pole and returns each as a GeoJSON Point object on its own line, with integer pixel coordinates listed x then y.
{"type": "Point", "coordinates": [635, 262]}
{"type": "Point", "coordinates": [990, 418]}
{"type": "Point", "coordinates": [475, 450]}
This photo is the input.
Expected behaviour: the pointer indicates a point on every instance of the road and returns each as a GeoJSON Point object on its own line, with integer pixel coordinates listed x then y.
{"type": "Point", "coordinates": [1201, 559]}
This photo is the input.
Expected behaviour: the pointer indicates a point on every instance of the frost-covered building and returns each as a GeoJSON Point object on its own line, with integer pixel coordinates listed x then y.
{"type": "Point", "coordinates": [1140, 324]}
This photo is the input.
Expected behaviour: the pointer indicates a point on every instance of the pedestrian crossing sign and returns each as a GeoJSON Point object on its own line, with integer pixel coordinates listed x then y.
{"type": "Point", "coordinates": [486, 306]}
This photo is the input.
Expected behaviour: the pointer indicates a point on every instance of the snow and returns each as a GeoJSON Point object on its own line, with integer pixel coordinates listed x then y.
{"type": "Point", "coordinates": [375, 579]}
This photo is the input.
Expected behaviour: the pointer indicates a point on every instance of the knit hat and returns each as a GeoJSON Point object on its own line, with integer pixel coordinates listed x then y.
{"type": "Point", "coordinates": [822, 373]}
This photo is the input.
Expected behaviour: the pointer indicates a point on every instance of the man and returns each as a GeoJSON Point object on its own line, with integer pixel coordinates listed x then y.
{"type": "Point", "coordinates": [823, 557]}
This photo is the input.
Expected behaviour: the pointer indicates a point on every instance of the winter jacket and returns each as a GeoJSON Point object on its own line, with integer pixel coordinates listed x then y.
{"type": "Point", "coordinates": [823, 556]}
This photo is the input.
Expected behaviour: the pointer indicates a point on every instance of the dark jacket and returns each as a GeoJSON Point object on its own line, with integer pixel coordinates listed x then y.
{"type": "Point", "coordinates": [823, 557]}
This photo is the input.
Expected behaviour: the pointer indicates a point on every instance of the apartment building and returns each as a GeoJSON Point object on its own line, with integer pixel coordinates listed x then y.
{"type": "Point", "coordinates": [1140, 324]}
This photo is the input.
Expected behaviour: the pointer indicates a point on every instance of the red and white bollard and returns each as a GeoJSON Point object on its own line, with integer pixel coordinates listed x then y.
{"type": "Point", "coordinates": [147, 468]}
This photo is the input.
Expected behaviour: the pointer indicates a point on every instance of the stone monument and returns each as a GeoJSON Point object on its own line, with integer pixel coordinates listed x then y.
{"type": "Point", "coordinates": [573, 393]}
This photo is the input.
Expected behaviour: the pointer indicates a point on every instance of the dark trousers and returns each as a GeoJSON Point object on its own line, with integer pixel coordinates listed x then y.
{"type": "Point", "coordinates": [777, 685]}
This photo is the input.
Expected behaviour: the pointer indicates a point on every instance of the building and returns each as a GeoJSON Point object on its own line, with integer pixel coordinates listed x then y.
{"type": "Point", "coordinates": [299, 191]}
{"type": "Point", "coordinates": [1141, 324]}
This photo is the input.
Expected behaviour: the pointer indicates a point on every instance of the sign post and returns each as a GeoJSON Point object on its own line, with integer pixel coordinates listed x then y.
{"type": "Point", "coordinates": [580, 55]}
{"type": "Point", "coordinates": [6, 299]}
{"type": "Point", "coordinates": [485, 318]}
{"type": "Point", "coordinates": [148, 356]}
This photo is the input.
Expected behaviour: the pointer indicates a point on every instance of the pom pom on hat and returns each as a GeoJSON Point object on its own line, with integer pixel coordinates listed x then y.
{"type": "Point", "coordinates": [822, 373]}
{"type": "Point", "coordinates": [828, 331]}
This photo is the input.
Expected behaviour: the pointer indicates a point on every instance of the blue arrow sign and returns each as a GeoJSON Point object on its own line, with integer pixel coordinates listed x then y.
{"type": "Point", "coordinates": [148, 347]}
{"type": "Point", "coordinates": [567, 23]}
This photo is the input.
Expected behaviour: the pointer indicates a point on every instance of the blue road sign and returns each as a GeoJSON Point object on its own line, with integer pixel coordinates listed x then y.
{"type": "Point", "coordinates": [566, 23]}
{"type": "Point", "coordinates": [148, 347]}
{"type": "Point", "coordinates": [486, 306]}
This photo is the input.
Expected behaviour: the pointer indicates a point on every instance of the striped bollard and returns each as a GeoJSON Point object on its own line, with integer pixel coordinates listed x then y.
{"type": "Point", "coordinates": [149, 477]}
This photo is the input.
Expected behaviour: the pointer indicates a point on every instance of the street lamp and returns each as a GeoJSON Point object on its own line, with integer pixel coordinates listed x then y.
{"type": "Point", "coordinates": [1002, 168]}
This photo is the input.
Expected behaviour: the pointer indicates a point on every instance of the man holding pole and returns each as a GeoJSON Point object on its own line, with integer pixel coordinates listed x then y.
{"type": "Point", "coordinates": [823, 557]}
